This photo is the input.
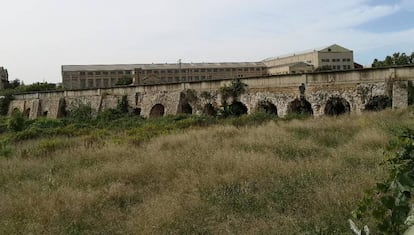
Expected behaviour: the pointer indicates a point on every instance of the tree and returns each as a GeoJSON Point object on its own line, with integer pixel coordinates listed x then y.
{"type": "Point", "coordinates": [396, 59]}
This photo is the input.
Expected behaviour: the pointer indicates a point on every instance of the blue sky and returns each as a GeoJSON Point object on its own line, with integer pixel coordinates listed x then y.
{"type": "Point", "coordinates": [38, 36]}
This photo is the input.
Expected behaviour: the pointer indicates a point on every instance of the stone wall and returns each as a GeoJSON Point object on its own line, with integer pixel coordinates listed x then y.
{"type": "Point", "coordinates": [351, 90]}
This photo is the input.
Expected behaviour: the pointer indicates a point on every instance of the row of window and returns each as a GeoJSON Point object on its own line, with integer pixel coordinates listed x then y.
{"type": "Point", "coordinates": [200, 70]}
{"type": "Point", "coordinates": [106, 73]}
{"type": "Point", "coordinates": [337, 60]}
{"type": "Point", "coordinates": [338, 67]}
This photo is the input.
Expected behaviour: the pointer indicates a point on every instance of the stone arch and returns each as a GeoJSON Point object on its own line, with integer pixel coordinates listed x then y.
{"type": "Point", "coordinates": [157, 110]}
{"type": "Point", "coordinates": [185, 108]}
{"type": "Point", "coordinates": [15, 110]}
{"type": "Point", "coordinates": [27, 112]}
{"type": "Point", "coordinates": [62, 112]}
{"type": "Point", "coordinates": [337, 106]}
{"type": "Point", "coordinates": [300, 106]}
{"type": "Point", "coordinates": [209, 110]}
{"type": "Point", "coordinates": [237, 108]}
{"type": "Point", "coordinates": [266, 107]}
{"type": "Point", "coordinates": [378, 103]}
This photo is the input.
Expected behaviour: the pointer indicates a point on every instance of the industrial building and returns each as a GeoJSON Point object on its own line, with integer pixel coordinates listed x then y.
{"type": "Point", "coordinates": [333, 57]}
{"type": "Point", "coordinates": [4, 77]}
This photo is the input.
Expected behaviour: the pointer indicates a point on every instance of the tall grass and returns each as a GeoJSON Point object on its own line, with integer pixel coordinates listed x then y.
{"type": "Point", "coordinates": [242, 177]}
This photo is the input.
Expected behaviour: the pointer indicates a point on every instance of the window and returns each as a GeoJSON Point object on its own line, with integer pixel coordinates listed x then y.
{"type": "Point", "coordinates": [162, 71]}
{"type": "Point", "coordinates": [82, 73]}
{"type": "Point", "coordinates": [196, 70]}
{"type": "Point", "coordinates": [97, 73]}
{"type": "Point", "coordinates": [227, 70]}
{"type": "Point", "coordinates": [128, 72]}
{"type": "Point", "coordinates": [214, 70]}
{"type": "Point", "coordinates": [90, 73]}
{"type": "Point", "coordinates": [112, 72]}
{"type": "Point", "coordinates": [203, 77]}
{"type": "Point", "coordinates": [120, 72]}
{"type": "Point", "coordinates": [105, 73]}
{"type": "Point", "coordinates": [202, 70]}
{"type": "Point", "coordinates": [208, 70]}
{"type": "Point", "coordinates": [257, 69]}
{"type": "Point", "coordinates": [246, 69]}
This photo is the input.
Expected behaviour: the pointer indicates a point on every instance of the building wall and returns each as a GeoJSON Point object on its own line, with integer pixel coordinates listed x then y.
{"type": "Point", "coordinates": [84, 79]}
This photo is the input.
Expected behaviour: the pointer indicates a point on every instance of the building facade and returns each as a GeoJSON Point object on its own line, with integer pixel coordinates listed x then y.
{"type": "Point", "coordinates": [99, 76]}
{"type": "Point", "coordinates": [333, 57]}
{"type": "Point", "coordinates": [4, 77]}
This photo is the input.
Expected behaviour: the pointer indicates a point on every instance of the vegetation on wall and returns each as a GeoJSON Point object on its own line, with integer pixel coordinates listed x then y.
{"type": "Point", "coordinates": [233, 92]}
{"type": "Point", "coordinates": [125, 80]}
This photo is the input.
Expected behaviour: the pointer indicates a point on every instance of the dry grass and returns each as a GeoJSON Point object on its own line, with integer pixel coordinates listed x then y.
{"type": "Point", "coordinates": [296, 177]}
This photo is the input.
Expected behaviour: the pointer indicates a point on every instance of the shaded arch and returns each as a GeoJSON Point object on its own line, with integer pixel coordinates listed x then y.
{"type": "Point", "coordinates": [27, 112]}
{"type": "Point", "coordinates": [300, 106]}
{"type": "Point", "coordinates": [185, 107]}
{"type": "Point", "coordinates": [378, 103]}
{"type": "Point", "coordinates": [237, 108]}
{"type": "Point", "coordinates": [266, 107]}
{"type": "Point", "coordinates": [337, 106]}
{"type": "Point", "coordinates": [209, 110]}
{"type": "Point", "coordinates": [157, 111]}
{"type": "Point", "coordinates": [15, 110]}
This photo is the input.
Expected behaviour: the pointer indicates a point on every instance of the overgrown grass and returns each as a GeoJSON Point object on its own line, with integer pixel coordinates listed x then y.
{"type": "Point", "coordinates": [186, 174]}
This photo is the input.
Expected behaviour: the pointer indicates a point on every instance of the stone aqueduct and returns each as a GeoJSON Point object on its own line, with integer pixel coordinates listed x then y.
{"type": "Point", "coordinates": [316, 93]}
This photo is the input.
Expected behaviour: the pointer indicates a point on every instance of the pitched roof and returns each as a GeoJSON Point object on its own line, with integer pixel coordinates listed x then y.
{"type": "Point", "coordinates": [333, 48]}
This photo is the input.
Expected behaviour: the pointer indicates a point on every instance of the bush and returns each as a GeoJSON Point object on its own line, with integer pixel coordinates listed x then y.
{"type": "Point", "coordinates": [5, 150]}
{"type": "Point", "coordinates": [81, 113]}
{"type": "Point", "coordinates": [16, 122]}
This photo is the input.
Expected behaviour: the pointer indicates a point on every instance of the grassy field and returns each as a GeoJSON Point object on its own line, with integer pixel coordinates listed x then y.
{"type": "Point", "coordinates": [187, 175]}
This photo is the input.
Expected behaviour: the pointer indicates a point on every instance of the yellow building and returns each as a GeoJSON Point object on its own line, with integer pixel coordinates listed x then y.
{"type": "Point", "coordinates": [333, 57]}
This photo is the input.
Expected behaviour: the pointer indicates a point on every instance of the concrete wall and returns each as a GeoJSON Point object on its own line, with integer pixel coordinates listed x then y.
{"type": "Point", "coordinates": [355, 88]}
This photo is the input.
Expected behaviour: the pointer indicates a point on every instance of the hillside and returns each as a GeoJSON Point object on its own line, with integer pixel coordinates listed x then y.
{"type": "Point", "coordinates": [192, 175]}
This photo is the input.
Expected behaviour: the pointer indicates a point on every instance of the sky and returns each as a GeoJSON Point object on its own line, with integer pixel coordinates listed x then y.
{"type": "Point", "coordinates": [38, 36]}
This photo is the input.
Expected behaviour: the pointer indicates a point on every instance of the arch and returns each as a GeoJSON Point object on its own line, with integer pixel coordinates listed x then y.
{"type": "Point", "coordinates": [266, 107]}
{"type": "Point", "coordinates": [45, 113]}
{"type": "Point", "coordinates": [337, 106]}
{"type": "Point", "coordinates": [27, 112]}
{"type": "Point", "coordinates": [237, 108]}
{"type": "Point", "coordinates": [185, 107]}
{"type": "Point", "coordinates": [15, 110]}
{"type": "Point", "coordinates": [209, 110]}
{"type": "Point", "coordinates": [137, 111]}
{"type": "Point", "coordinates": [378, 103]}
{"type": "Point", "coordinates": [300, 106]}
{"type": "Point", "coordinates": [157, 111]}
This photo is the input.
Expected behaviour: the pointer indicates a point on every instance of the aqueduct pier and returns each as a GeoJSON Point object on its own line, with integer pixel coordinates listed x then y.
{"type": "Point", "coordinates": [317, 93]}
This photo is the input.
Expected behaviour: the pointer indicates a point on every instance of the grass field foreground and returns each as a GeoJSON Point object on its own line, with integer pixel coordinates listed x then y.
{"type": "Point", "coordinates": [280, 177]}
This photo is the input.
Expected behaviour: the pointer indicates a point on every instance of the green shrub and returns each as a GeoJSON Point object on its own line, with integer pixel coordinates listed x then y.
{"type": "Point", "coordinates": [5, 150]}
{"type": "Point", "coordinates": [16, 122]}
{"type": "Point", "coordinates": [389, 204]}
{"type": "Point", "coordinates": [81, 113]}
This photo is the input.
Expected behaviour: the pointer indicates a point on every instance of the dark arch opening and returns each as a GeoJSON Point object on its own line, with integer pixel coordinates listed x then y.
{"type": "Point", "coordinates": [15, 110]}
{"type": "Point", "coordinates": [209, 110]}
{"type": "Point", "coordinates": [157, 111]}
{"type": "Point", "coordinates": [337, 106]}
{"type": "Point", "coordinates": [137, 111]}
{"type": "Point", "coordinates": [266, 107]}
{"type": "Point", "coordinates": [300, 106]}
{"type": "Point", "coordinates": [238, 108]}
{"type": "Point", "coordinates": [45, 113]}
{"type": "Point", "coordinates": [378, 103]}
{"type": "Point", "coordinates": [185, 108]}
{"type": "Point", "coordinates": [27, 112]}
